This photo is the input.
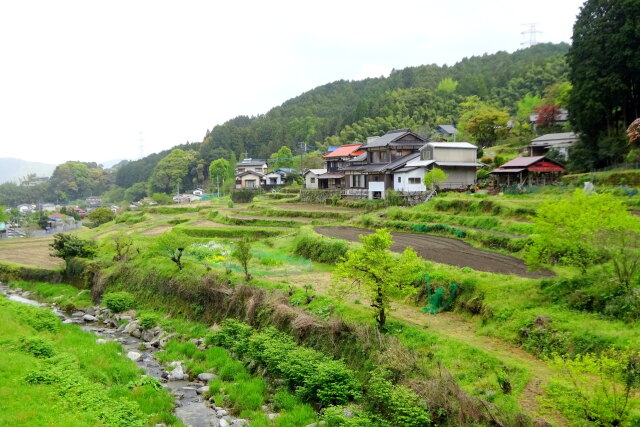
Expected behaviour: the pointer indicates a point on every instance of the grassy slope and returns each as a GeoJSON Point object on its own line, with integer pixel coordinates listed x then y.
{"type": "Point", "coordinates": [99, 366]}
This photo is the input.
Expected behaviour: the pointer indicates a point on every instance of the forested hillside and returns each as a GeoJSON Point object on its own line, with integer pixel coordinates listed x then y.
{"type": "Point", "coordinates": [489, 98]}
{"type": "Point", "coordinates": [415, 97]}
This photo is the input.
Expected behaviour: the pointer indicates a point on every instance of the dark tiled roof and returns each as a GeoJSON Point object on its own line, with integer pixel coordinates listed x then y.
{"type": "Point", "coordinates": [448, 129]}
{"type": "Point", "coordinates": [398, 163]}
{"type": "Point", "coordinates": [394, 136]}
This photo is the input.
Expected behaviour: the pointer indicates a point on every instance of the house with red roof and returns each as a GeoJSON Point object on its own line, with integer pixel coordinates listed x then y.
{"type": "Point", "coordinates": [536, 170]}
{"type": "Point", "coordinates": [335, 160]}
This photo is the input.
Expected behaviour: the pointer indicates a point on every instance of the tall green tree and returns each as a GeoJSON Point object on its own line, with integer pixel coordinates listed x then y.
{"type": "Point", "coordinates": [171, 170]}
{"type": "Point", "coordinates": [283, 158]}
{"type": "Point", "coordinates": [219, 172]}
{"type": "Point", "coordinates": [605, 74]}
{"type": "Point", "coordinates": [377, 274]}
{"type": "Point", "coordinates": [488, 126]}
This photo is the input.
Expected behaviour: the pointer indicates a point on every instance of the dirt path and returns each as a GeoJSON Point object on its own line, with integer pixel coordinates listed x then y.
{"type": "Point", "coordinates": [444, 250]}
{"type": "Point", "coordinates": [455, 327]}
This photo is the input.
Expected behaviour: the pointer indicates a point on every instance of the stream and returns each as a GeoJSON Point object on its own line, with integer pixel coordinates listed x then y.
{"type": "Point", "coordinates": [191, 408]}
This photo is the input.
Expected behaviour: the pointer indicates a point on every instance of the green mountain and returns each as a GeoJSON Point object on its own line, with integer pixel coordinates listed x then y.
{"type": "Point", "coordinates": [344, 111]}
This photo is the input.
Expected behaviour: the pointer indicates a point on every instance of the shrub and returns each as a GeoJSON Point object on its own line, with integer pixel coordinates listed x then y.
{"type": "Point", "coordinates": [244, 195]}
{"type": "Point", "coordinates": [398, 404]}
{"type": "Point", "coordinates": [37, 346]}
{"type": "Point", "coordinates": [67, 246]}
{"type": "Point", "coordinates": [320, 248]}
{"type": "Point", "coordinates": [330, 383]}
{"type": "Point", "coordinates": [38, 319]}
{"type": "Point", "coordinates": [101, 216]}
{"type": "Point", "coordinates": [119, 301]}
{"type": "Point", "coordinates": [230, 204]}
{"type": "Point", "coordinates": [148, 320]}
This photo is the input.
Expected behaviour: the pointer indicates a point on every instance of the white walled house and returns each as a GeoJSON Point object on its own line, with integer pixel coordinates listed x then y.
{"type": "Point", "coordinates": [409, 179]}
{"type": "Point", "coordinates": [249, 179]}
{"type": "Point", "coordinates": [311, 177]}
{"type": "Point", "coordinates": [274, 178]}
{"type": "Point", "coordinates": [456, 159]}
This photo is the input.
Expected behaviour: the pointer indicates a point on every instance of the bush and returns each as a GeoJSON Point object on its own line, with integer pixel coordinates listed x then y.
{"type": "Point", "coordinates": [67, 246]}
{"type": "Point", "coordinates": [244, 195]}
{"type": "Point", "coordinates": [396, 403]}
{"type": "Point", "coordinates": [148, 320]}
{"type": "Point", "coordinates": [320, 248]}
{"type": "Point", "coordinates": [330, 383]}
{"type": "Point", "coordinates": [37, 346]}
{"type": "Point", "coordinates": [101, 216]}
{"type": "Point", "coordinates": [119, 301]}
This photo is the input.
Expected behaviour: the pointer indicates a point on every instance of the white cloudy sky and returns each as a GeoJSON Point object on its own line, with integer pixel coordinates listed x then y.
{"type": "Point", "coordinates": [86, 80]}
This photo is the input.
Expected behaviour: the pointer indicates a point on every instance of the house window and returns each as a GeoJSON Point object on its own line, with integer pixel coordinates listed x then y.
{"type": "Point", "coordinates": [399, 179]}
{"type": "Point", "coordinates": [357, 181]}
{"type": "Point", "coordinates": [415, 180]}
{"type": "Point", "coordinates": [250, 183]}
{"type": "Point", "coordinates": [313, 180]}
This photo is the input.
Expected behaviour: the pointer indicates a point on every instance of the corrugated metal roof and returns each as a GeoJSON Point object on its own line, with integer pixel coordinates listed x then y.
{"type": "Point", "coordinates": [316, 171]}
{"type": "Point", "coordinates": [463, 164]}
{"type": "Point", "coordinates": [522, 162]}
{"type": "Point", "coordinates": [466, 145]}
{"type": "Point", "coordinates": [555, 139]}
{"type": "Point", "coordinates": [514, 170]}
{"type": "Point", "coordinates": [405, 169]}
{"type": "Point", "coordinates": [332, 175]}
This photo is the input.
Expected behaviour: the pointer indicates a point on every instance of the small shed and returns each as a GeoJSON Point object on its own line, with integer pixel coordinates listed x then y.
{"type": "Point", "coordinates": [311, 177]}
{"type": "Point", "coordinates": [536, 170]}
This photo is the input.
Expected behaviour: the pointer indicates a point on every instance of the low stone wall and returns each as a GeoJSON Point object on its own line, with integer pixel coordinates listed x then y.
{"type": "Point", "coordinates": [415, 197]}
{"type": "Point", "coordinates": [318, 196]}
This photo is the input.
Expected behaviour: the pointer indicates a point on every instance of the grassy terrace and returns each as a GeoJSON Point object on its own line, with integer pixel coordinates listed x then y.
{"type": "Point", "coordinates": [480, 341]}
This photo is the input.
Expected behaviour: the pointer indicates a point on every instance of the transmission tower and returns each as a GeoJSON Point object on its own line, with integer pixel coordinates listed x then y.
{"type": "Point", "coordinates": [531, 33]}
{"type": "Point", "coordinates": [141, 139]}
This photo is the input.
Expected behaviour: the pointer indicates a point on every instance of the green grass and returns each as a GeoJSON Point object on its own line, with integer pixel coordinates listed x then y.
{"type": "Point", "coordinates": [66, 296]}
{"type": "Point", "coordinates": [88, 384]}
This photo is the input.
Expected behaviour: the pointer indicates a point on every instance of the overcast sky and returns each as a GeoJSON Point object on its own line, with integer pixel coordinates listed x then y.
{"type": "Point", "coordinates": [88, 80]}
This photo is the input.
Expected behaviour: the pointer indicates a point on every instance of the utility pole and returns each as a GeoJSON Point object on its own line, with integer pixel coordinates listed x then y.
{"type": "Point", "coordinates": [303, 150]}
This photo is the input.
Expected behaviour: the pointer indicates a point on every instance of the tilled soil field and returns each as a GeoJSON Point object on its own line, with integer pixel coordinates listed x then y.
{"type": "Point", "coordinates": [444, 250]}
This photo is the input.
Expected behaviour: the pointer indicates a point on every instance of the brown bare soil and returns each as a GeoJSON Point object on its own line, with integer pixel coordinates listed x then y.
{"type": "Point", "coordinates": [443, 250]}
{"type": "Point", "coordinates": [33, 252]}
{"type": "Point", "coordinates": [206, 223]}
